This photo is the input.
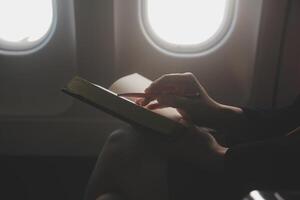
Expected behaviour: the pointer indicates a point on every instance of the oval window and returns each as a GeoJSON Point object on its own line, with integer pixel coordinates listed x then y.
{"type": "Point", "coordinates": [186, 25]}
{"type": "Point", "coordinates": [24, 24]}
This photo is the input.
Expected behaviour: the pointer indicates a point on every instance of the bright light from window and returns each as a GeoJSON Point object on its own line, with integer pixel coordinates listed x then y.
{"type": "Point", "coordinates": [25, 21]}
{"type": "Point", "coordinates": [256, 195]}
{"type": "Point", "coordinates": [185, 22]}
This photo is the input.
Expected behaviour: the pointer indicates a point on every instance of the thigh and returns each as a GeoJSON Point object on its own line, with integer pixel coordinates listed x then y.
{"type": "Point", "coordinates": [128, 160]}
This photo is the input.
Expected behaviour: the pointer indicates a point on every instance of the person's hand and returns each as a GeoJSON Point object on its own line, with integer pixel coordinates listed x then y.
{"type": "Point", "coordinates": [198, 146]}
{"type": "Point", "coordinates": [175, 90]}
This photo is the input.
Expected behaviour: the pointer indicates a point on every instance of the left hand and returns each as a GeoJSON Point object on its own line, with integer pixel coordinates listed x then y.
{"type": "Point", "coordinates": [198, 146]}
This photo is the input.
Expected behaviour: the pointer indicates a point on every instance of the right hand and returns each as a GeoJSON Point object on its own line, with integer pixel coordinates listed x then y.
{"type": "Point", "coordinates": [170, 90]}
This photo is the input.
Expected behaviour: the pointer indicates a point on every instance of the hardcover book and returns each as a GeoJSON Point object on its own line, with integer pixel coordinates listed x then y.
{"type": "Point", "coordinates": [164, 120]}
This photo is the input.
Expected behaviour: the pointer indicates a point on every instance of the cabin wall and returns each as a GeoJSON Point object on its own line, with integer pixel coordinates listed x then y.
{"type": "Point", "coordinates": [49, 142]}
{"type": "Point", "coordinates": [94, 40]}
{"type": "Point", "coordinates": [289, 74]}
{"type": "Point", "coordinates": [29, 82]}
{"type": "Point", "coordinates": [270, 41]}
{"type": "Point", "coordinates": [36, 118]}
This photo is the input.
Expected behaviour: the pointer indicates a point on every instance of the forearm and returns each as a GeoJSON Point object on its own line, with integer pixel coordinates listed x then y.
{"type": "Point", "coordinates": [228, 117]}
{"type": "Point", "coordinates": [223, 117]}
{"type": "Point", "coordinates": [257, 124]}
{"type": "Point", "coordinates": [242, 125]}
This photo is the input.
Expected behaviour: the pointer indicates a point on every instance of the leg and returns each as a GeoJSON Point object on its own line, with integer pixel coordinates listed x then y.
{"type": "Point", "coordinates": [128, 167]}
{"type": "Point", "coordinates": [131, 165]}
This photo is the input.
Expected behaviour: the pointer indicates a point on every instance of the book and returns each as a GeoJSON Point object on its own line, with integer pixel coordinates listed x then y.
{"type": "Point", "coordinates": [165, 121]}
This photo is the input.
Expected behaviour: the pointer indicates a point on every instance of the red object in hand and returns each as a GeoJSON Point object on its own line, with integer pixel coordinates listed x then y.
{"type": "Point", "coordinates": [147, 95]}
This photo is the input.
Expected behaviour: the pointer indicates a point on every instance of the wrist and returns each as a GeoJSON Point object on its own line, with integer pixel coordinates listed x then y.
{"type": "Point", "coordinates": [224, 116]}
{"type": "Point", "coordinates": [210, 114]}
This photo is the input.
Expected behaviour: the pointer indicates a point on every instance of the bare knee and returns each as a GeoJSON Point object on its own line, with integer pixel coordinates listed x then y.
{"type": "Point", "coordinates": [115, 159]}
{"type": "Point", "coordinates": [120, 137]}
{"type": "Point", "coordinates": [124, 145]}
{"type": "Point", "coordinates": [125, 139]}
{"type": "Point", "coordinates": [124, 154]}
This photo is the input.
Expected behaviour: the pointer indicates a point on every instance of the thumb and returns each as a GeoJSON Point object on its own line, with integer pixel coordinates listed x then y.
{"type": "Point", "coordinates": [174, 101]}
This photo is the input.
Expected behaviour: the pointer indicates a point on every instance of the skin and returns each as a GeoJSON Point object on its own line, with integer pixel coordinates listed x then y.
{"type": "Point", "coordinates": [202, 110]}
{"type": "Point", "coordinates": [134, 166]}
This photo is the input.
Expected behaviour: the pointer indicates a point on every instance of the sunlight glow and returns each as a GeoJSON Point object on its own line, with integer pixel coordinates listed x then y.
{"type": "Point", "coordinates": [256, 195]}
{"type": "Point", "coordinates": [186, 22]}
{"type": "Point", "coordinates": [25, 21]}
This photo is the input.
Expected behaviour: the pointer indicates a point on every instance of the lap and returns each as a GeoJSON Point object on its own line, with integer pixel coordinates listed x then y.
{"type": "Point", "coordinates": [140, 140]}
{"type": "Point", "coordinates": [186, 180]}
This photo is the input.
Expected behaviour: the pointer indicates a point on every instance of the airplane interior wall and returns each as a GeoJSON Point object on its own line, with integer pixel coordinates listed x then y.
{"type": "Point", "coordinates": [277, 64]}
{"type": "Point", "coordinates": [256, 65]}
{"type": "Point", "coordinates": [289, 64]}
{"type": "Point", "coordinates": [232, 63]}
{"type": "Point", "coordinates": [29, 81]}
{"type": "Point", "coordinates": [48, 141]}
{"type": "Point", "coordinates": [56, 124]}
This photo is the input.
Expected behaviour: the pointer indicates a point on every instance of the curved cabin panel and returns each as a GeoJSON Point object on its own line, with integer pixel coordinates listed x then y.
{"type": "Point", "coordinates": [247, 55]}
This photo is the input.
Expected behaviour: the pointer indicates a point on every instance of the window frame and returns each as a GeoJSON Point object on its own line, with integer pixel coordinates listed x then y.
{"type": "Point", "coordinates": [187, 50]}
{"type": "Point", "coordinates": [11, 48]}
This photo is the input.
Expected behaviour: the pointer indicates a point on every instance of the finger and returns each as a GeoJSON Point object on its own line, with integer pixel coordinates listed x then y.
{"type": "Point", "coordinates": [145, 101]}
{"type": "Point", "coordinates": [174, 101]}
{"type": "Point", "coordinates": [139, 101]}
{"type": "Point", "coordinates": [165, 82]}
{"type": "Point", "coordinates": [155, 106]}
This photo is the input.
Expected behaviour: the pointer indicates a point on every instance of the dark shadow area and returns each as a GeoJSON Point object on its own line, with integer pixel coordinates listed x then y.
{"type": "Point", "coordinates": [47, 178]}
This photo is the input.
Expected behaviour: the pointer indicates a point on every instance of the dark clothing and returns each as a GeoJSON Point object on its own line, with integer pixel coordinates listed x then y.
{"type": "Point", "coordinates": [261, 155]}
{"type": "Point", "coordinates": [188, 181]}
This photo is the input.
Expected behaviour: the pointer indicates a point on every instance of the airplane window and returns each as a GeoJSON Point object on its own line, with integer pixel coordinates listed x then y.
{"type": "Point", "coordinates": [24, 24]}
{"type": "Point", "coordinates": [186, 25]}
